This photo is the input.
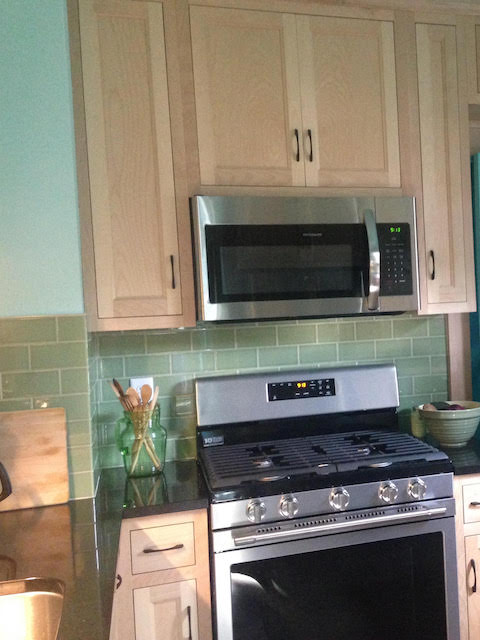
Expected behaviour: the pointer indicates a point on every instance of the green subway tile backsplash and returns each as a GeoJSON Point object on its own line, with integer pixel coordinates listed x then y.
{"type": "Point", "coordinates": [45, 362]}
{"type": "Point", "coordinates": [27, 330]}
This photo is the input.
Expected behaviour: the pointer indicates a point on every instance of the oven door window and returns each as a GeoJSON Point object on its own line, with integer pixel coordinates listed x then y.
{"type": "Point", "coordinates": [385, 590]}
{"type": "Point", "coordinates": [286, 262]}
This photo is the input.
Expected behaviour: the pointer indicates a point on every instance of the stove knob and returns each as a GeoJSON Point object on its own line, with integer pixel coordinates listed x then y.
{"type": "Point", "coordinates": [339, 498]}
{"type": "Point", "coordinates": [288, 507]}
{"type": "Point", "coordinates": [417, 489]}
{"type": "Point", "coordinates": [256, 510]}
{"type": "Point", "coordinates": [388, 492]}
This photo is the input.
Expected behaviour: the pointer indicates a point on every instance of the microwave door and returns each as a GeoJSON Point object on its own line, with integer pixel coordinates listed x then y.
{"type": "Point", "coordinates": [257, 271]}
{"type": "Point", "coordinates": [373, 262]}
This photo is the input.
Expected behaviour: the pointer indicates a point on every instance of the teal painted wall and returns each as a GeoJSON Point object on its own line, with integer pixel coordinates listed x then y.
{"type": "Point", "coordinates": [40, 269]}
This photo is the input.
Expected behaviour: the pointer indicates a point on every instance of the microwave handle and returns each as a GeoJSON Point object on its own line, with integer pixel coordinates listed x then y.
{"type": "Point", "coordinates": [373, 261]}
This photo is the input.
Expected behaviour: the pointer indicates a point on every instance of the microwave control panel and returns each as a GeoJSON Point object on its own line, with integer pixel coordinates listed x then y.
{"type": "Point", "coordinates": [395, 259]}
{"type": "Point", "coordinates": [299, 389]}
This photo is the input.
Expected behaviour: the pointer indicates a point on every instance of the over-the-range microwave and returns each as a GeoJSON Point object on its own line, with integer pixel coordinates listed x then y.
{"type": "Point", "coordinates": [261, 257]}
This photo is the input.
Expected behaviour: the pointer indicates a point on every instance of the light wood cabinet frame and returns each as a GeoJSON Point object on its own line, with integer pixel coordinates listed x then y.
{"type": "Point", "coordinates": [193, 575]}
{"type": "Point", "coordinates": [179, 307]}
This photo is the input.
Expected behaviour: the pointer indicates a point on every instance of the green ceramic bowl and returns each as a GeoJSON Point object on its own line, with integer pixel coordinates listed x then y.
{"type": "Point", "coordinates": [452, 428]}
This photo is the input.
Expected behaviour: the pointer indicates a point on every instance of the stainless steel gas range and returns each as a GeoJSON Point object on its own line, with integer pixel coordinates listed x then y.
{"type": "Point", "coordinates": [327, 522]}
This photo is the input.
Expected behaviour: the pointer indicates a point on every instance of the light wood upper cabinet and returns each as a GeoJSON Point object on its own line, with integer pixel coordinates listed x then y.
{"type": "Point", "coordinates": [349, 101]}
{"type": "Point", "coordinates": [247, 97]}
{"type": "Point", "coordinates": [445, 179]}
{"type": "Point", "coordinates": [133, 277]}
{"type": "Point", "coordinates": [287, 100]}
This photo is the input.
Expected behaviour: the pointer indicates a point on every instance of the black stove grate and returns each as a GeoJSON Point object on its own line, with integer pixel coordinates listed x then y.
{"type": "Point", "coordinates": [232, 465]}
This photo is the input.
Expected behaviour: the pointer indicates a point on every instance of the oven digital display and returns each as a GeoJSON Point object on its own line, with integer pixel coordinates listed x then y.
{"type": "Point", "coordinates": [298, 389]}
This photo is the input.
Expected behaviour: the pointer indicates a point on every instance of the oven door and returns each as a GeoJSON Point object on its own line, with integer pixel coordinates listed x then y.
{"type": "Point", "coordinates": [395, 582]}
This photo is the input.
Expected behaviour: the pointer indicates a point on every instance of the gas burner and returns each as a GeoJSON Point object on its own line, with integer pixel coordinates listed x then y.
{"type": "Point", "coordinates": [302, 444]}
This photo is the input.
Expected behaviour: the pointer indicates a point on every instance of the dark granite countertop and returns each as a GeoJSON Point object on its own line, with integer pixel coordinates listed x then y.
{"type": "Point", "coordinates": [78, 541]}
{"type": "Point", "coordinates": [465, 459]}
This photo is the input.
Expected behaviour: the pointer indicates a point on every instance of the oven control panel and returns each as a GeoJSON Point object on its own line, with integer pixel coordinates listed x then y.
{"type": "Point", "coordinates": [298, 389]}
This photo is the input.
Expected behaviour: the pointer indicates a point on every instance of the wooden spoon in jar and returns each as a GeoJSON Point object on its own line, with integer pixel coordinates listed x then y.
{"type": "Point", "coordinates": [146, 393]}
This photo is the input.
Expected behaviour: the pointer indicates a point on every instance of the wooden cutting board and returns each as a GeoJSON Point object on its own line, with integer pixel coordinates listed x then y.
{"type": "Point", "coordinates": [33, 450]}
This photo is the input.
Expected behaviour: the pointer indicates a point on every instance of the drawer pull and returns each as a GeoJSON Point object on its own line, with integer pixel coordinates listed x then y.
{"type": "Point", "coordinates": [119, 581]}
{"type": "Point", "coordinates": [474, 504]}
{"type": "Point", "coordinates": [154, 550]}
{"type": "Point", "coordinates": [189, 614]}
{"type": "Point", "coordinates": [474, 569]}
{"type": "Point", "coordinates": [310, 155]}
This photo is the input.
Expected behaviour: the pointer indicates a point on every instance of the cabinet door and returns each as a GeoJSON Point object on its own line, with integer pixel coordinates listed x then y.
{"type": "Point", "coordinates": [247, 97]}
{"type": "Point", "coordinates": [446, 210]}
{"type": "Point", "coordinates": [472, 559]}
{"type": "Point", "coordinates": [166, 611]}
{"type": "Point", "coordinates": [130, 159]}
{"type": "Point", "coordinates": [349, 102]}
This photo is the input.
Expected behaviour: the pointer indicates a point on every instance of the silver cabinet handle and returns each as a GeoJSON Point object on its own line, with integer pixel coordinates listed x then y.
{"type": "Point", "coordinates": [155, 550]}
{"type": "Point", "coordinates": [474, 504]}
{"type": "Point", "coordinates": [310, 155]}
{"type": "Point", "coordinates": [373, 261]}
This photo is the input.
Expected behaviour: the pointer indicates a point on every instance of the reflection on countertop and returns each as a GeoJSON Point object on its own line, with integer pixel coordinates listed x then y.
{"type": "Point", "coordinates": [465, 459]}
{"type": "Point", "coordinates": [77, 542]}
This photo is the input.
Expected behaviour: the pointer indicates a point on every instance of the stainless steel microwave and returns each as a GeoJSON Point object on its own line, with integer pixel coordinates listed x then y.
{"type": "Point", "coordinates": [261, 257]}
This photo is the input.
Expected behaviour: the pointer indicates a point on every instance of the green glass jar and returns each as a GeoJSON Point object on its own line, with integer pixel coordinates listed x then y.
{"type": "Point", "coordinates": [141, 440]}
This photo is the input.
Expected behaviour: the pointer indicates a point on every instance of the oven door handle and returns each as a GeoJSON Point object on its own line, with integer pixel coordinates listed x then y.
{"type": "Point", "coordinates": [373, 261]}
{"type": "Point", "coordinates": [247, 538]}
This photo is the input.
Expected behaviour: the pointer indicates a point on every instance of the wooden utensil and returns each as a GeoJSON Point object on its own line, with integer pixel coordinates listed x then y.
{"type": "Point", "coordinates": [146, 393]}
{"type": "Point", "coordinates": [133, 397]}
{"type": "Point", "coordinates": [154, 399]}
{"type": "Point", "coordinates": [121, 395]}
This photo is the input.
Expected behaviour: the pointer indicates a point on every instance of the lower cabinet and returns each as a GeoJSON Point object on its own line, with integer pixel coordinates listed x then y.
{"type": "Point", "coordinates": [467, 496]}
{"type": "Point", "coordinates": [472, 557]}
{"type": "Point", "coordinates": [167, 611]}
{"type": "Point", "coordinates": [163, 582]}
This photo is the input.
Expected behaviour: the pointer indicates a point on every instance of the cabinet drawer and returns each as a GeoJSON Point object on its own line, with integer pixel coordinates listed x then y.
{"type": "Point", "coordinates": [471, 503]}
{"type": "Point", "coordinates": [159, 548]}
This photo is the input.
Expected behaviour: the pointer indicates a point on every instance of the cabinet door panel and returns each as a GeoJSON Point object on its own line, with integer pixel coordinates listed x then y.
{"type": "Point", "coordinates": [472, 559]}
{"type": "Point", "coordinates": [247, 97]}
{"type": "Point", "coordinates": [166, 611]}
{"type": "Point", "coordinates": [441, 163]}
{"type": "Point", "coordinates": [130, 158]}
{"type": "Point", "coordinates": [349, 101]}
